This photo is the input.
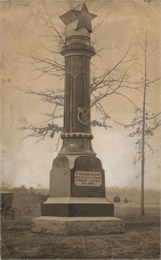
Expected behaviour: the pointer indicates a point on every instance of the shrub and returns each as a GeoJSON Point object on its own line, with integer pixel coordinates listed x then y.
{"type": "Point", "coordinates": [126, 200]}
{"type": "Point", "coordinates": [116, 199]}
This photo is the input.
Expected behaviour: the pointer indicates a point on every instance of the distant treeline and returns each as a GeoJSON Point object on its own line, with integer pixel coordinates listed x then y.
{"type": "Point", "coordinates": [28, 200]}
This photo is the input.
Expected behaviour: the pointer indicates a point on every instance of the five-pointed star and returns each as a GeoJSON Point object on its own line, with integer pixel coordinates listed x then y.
{"type": "Point", "coordinates": [84, 18]}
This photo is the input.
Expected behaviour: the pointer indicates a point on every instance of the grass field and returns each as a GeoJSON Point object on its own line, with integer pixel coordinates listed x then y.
{"type": "Point", "coordinates": [141, 239]}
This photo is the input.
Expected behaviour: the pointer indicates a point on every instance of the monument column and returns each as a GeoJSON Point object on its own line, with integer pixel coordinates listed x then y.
{"type": "Point", "coordinates": [77, 117]}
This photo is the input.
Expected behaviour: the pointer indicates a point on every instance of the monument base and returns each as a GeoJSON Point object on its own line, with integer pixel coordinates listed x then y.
{"type": "Point", "coordinates": [77, 207]}
{"type": "Point", "coordinates": [77, 225]}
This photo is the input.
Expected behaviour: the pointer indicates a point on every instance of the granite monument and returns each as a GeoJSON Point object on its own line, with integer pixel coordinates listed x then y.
{"type": "Point", "coordinates": [77, 202]}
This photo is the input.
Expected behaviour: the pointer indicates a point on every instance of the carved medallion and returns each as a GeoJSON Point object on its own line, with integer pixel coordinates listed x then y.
{"type": "Point", "coordinates": [83, 115]}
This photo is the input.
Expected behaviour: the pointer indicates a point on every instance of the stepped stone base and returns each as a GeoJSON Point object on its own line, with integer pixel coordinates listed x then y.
{"type": "Point", "coordinates": [77, 207]}
{"type": "Point", "coordinates": [78, 225]}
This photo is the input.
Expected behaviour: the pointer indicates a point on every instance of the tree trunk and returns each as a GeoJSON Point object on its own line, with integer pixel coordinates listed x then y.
{"type": "Point", "coordinates": [143, 133]}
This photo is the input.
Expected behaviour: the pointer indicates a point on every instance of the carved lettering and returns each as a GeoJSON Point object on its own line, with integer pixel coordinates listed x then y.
{"type": "Point", "coordinates": [82, 178]}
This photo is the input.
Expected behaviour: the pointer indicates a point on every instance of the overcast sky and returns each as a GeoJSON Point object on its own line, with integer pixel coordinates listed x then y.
{"type": "Point", "coordinates": [22, 30]}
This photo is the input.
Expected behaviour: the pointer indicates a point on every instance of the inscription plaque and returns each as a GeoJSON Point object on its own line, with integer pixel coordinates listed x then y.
{"type": "Point", "coordinates": [88, 178]}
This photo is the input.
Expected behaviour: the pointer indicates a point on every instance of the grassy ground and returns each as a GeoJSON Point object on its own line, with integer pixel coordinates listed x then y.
{"type": "Point", "coordinates": [141, 239]}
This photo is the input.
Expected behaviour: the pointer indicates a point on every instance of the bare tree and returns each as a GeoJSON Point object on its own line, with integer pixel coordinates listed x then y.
{"type": "Point", "coordinates": [145, 122]}
{"type": "Point", "coordinates": [114, 80]}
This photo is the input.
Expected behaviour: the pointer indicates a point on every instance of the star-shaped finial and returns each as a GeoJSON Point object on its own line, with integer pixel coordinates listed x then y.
{"type": "Point", "coordinates": [84, 18]}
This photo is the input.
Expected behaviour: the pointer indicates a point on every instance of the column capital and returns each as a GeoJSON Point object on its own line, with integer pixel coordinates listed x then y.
{"type": "Point", "coordinates": [78, 49]}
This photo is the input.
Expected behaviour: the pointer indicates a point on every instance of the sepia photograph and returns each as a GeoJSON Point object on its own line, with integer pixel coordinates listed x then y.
{"type": "Point", "coordinates": [80, 129]}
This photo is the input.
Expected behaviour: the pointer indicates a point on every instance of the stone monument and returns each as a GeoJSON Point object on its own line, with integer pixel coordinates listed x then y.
{"type": "Point", "coordinates": [77, 201]}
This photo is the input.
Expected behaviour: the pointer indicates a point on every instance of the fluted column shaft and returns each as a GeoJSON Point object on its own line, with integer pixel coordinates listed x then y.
{"type": "Point", "coordinates": [77, 112]}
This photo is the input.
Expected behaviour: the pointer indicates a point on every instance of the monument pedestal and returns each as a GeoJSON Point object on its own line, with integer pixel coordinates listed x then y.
{"type": "Point", "coordinates": [77, 204]}
{"type": "Point", "coordinates": [77, 189]}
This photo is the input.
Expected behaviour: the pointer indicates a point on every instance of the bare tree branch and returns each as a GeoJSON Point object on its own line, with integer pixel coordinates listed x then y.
{"type": "Point", "coordinates": [41, 132]}
{"type": "Point", "coordinates": [48, 95]}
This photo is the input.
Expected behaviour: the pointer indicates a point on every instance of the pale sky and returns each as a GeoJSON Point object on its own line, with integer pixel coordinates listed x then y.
{"type": "Point", "coordinates": [26, 163]}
